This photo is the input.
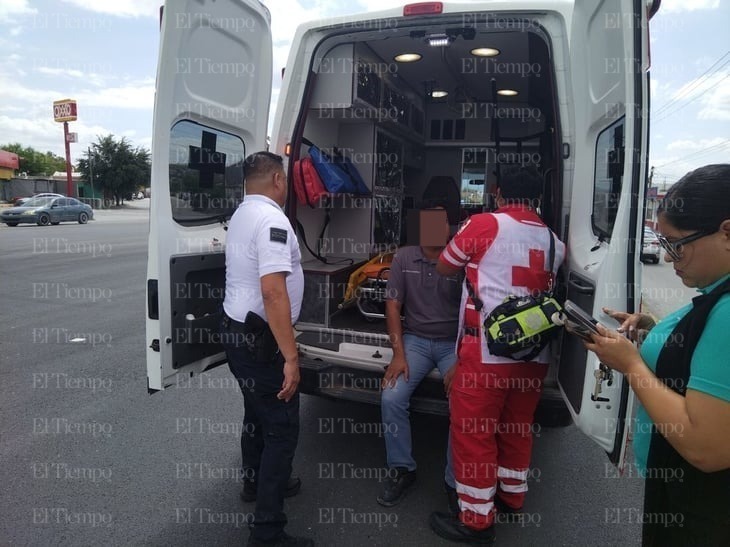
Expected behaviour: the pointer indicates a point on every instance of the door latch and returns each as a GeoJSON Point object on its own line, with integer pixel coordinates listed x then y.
{"type": "Point", "coordinates": [602, 374]}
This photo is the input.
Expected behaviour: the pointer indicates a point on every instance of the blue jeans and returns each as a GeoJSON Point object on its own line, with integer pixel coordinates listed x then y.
{"type": "Point", "coordinates": [422, 355]}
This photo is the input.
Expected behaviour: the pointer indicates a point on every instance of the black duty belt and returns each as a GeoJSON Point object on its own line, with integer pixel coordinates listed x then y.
{"type": "Point", "coordinates": [229, 322]}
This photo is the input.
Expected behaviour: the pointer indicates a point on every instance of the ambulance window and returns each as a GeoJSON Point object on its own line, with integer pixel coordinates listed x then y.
{"type": "Point", "coordinates": [608, 178]}
{"type": "Point", "coordinates": [206, 173]}
{"type": "Point", "coordinates": [473, 175]}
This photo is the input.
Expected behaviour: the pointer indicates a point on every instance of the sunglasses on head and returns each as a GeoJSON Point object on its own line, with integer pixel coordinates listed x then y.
{"type": "Point", "coordinates": [674, 248]}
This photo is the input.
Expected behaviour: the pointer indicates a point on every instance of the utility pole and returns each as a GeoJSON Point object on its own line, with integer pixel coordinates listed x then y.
{"type": "Point", "coordinates": [649, 211]}
{"type": "Point", "coordinates": [91, 174]}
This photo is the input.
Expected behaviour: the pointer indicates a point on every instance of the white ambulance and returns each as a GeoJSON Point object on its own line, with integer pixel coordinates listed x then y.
{"type": "Point", "coordinates": [427, 99]}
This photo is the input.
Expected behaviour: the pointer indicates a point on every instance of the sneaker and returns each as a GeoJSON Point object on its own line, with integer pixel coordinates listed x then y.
{"type": "Point", "coordinates": [452, 499]}
{"type": "Point", "coordinates": [248, 494]}
{"type": "Point", "coordinates": [395, 489]}
{"type": "Point", "coordinates": [284, 540]}
{"type": "Point", "coordinates": [451, 528]}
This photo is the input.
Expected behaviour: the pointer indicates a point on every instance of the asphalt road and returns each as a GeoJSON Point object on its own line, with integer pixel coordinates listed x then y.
{"type": "Point", "coordinates": [663, 290]}
{"type": "Point", "coordinates": [89, 458]}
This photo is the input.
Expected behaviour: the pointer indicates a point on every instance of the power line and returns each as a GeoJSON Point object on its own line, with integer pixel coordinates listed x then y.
{"type": "Point", "coordinates": [701, 152]}
{"type": "Point", "coordinates": [668, 114]}
{"type": "Point", "coordinates": [697, 82]}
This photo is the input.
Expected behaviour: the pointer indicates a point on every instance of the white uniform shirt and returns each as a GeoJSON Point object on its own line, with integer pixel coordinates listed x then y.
{"type": "Point", "coordinates": [260, 241]}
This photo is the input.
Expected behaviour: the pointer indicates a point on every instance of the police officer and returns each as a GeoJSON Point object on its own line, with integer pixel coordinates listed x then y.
{"type": "Point", "coordinates": [264, 287]}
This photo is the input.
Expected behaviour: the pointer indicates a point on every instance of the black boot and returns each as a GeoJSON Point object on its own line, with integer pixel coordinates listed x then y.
{"type": "Point", "coordinates": [452, 499]}
{"type": "Point", "coordinates": [451, 528]}
{"type": "Point", "coordinates": [395, 489]}
{"type": "Point", "coordinates": [248, 493]}
{"type": "Point", "coordinates": [507, 513]}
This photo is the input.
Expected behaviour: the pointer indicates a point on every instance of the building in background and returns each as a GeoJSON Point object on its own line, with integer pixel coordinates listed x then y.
{"type": "Point", "coordinates": [9, 163]}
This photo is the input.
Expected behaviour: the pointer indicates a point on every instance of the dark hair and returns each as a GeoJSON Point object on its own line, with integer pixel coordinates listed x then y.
{"type": "Point", "coordinates": [261, 163]}
{"type": "Point", "coordinates": [700, 200]}
{"type": "Point", "coordinates": [520, 183]}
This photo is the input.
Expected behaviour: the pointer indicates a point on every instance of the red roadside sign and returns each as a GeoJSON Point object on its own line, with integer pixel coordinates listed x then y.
{"type": "Point", "coordinates": [64, 110]}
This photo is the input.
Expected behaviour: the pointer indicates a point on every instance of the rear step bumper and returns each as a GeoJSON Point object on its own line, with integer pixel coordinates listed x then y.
{"type": "Point", "coordinates": [324, 379]}
{"type": "Point", "coordinates": [362, 386]}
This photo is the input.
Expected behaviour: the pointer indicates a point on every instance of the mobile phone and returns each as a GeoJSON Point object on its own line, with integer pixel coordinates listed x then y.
{"type": "Point", "coordinates": [579, 322]}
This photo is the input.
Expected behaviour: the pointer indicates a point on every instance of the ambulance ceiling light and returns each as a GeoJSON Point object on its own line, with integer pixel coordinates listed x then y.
{"type": "Point", "coordinates": [438, 40]}
{"type": "Point", "coordinates": [485, 52]}
{"type": "Point", "coordinates": [407, 57]}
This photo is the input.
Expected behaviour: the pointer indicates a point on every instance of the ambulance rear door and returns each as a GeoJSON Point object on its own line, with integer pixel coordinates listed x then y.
{"type": "Point", "coordinates": [211, 110]}
{"type": "Point", "coordinates": [605, 143]}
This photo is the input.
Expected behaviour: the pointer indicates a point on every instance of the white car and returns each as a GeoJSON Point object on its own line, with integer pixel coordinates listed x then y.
{"type": "Point", "coordinates": [650, 248]}
{"type": "Point", "coordinates": [21, 201]}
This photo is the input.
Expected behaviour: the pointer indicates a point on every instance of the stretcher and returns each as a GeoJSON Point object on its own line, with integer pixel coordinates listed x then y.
{"type": "Point", "coordinates": [366, 287]}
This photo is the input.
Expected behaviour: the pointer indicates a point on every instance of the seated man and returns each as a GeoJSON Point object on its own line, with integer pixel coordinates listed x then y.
{"type": "Point", "coordinates": [427, 339]}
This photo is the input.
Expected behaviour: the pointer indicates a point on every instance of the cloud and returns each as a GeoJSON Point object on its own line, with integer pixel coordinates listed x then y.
{"type": "Point", "coordinates": [92, 78]}
{"type": "Point", "coordinates": [690, 145]}
{"type": "Point", "coordinates": [135, 95]}
{"type": "Point", "coordinates": [44, 134]}
{"type": "Point", "coordinates": [683, 155]}
{"type": "Point", "coordinates": [120, 8]}
{"type": "Point", "coordinates": [10, 8]}
{"type": "Point", "coordinates": [711, 93]}
{"type": "Point", "coordinates": [673, 6]}
{"type": "Point", "coordinates": [716, 102]}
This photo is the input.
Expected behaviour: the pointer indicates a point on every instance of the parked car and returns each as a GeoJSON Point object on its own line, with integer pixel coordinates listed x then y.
{"type": "Point", "coordinates": [45, 210]}
{"type": "Point", "coordinates": [650, 248]}
{"type": "Point", "coordinates": [20, 201]}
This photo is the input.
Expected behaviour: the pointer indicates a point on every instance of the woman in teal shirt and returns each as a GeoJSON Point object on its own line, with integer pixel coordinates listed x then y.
{"type": "Point", "coordinates": [682, 373]}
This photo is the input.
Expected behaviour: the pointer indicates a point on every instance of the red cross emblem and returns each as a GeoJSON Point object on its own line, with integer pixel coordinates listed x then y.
{"type": "Point", "coordinates": [535, 277]}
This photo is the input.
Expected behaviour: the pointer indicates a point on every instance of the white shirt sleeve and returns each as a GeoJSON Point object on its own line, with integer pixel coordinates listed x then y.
{"type": "Point", "coordinates": [274, 247]}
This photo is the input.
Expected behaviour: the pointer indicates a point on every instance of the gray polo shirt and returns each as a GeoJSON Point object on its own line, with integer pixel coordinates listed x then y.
{"type": "Point", "coordinates": [430, 301]}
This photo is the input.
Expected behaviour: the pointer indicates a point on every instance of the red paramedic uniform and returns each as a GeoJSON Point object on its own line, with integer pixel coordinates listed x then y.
{"type": "Point", "coordinates": [493, 399]}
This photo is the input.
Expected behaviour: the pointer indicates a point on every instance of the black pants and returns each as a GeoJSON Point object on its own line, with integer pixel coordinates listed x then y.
{"type": "Point", "coordinates": [684, 507]}
{"type": "Point", "coordinates": [269, 437]}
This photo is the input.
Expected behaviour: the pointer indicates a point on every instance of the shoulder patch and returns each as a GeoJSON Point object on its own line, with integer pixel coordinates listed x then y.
{"type": "Point", "coordinates": [277, 234]}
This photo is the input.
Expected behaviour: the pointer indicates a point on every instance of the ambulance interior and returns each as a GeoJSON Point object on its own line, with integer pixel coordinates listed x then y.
{"type": "Point", "coordinates": [464, 103]}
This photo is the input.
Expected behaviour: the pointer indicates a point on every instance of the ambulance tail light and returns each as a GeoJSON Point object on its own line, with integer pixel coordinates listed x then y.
{"type": "Point", "coordinates": [423, 8]}
{"type": "Point", "coordinates": [287, 149]}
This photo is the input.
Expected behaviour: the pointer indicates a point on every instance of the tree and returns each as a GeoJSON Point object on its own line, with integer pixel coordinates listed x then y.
{"type": "Point", "coordinates": [36, 163]}
{"type": "Point", "coordinates": [118, 167]}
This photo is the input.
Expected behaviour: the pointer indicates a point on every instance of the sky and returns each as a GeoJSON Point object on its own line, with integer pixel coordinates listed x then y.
{"type": "Point", "coordinates": [103, 53]}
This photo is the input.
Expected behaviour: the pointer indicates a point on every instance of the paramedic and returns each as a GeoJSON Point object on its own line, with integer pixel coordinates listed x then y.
{"type": "Point", "coordinates": [425, 341]}
{"type": "Point", "coordinates": [264, 288]}
{"type": "Point", "coordinates": [493, 399]}
{"type": "Point", "coordinates": [681, 374]}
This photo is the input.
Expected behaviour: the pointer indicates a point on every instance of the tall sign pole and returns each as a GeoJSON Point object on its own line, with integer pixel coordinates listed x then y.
{"type": "Point", "coordinates": [69, 178]}
{"type": "Point", "coordinates": [65, 111]}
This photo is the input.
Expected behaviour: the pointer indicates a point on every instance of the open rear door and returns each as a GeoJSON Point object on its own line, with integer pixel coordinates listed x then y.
{"type": "Point", "coordinates": [606, 170]}
{"type": "Point", "coordinates": [211, 110]}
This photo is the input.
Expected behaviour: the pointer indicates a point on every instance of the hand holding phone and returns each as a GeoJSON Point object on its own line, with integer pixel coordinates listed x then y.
{"type": "Point", "coordinates": [577, 321]}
